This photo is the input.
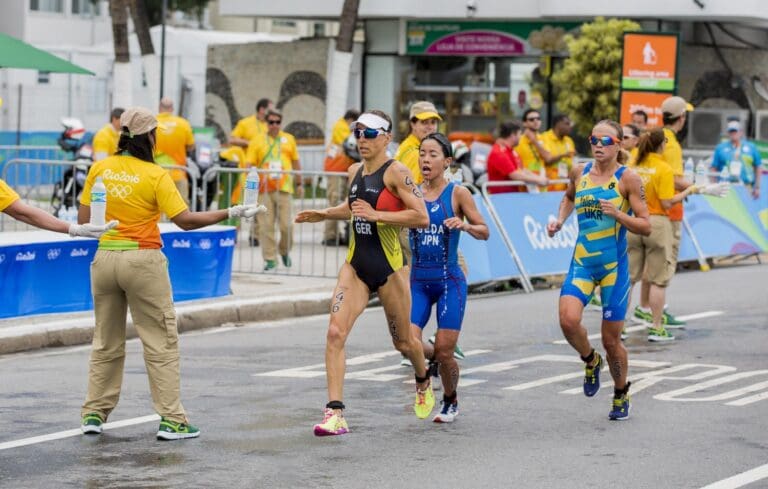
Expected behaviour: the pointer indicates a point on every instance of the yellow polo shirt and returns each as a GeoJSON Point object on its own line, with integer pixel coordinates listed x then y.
{"type": "Point", "coordinates": [658, 181]}
{"type": "Point", "coordinates": [138, 192]}
{"type": "Point", "coordinates": [558, 146]}
{"type": "Point", "coordinates": [174, 134]}
{"type": "Point", "coordinates": [274, 154]}
{"type": "Point", "coordinates": [408, 155]}
{"type": "Point", "coordinates": [7, 196]}
{"type": "Point", "coordinates": [105, 142]}
{"type": "Point", "coordinates": [249, 127]}
{"type": "Point", "coordinates": [673, 153]}
{"type": "Point", "coordinates": [529, 155]}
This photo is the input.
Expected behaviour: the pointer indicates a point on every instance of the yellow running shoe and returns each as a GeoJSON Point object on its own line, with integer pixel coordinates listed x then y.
{"type": "Point", "coordinates": [425, 401]}
{"type": "Point", "coordinates": [333, 424]}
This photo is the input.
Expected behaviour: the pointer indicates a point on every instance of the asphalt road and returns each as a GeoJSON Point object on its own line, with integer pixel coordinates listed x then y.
{"type": "Point", "coordinates": [698, 417]}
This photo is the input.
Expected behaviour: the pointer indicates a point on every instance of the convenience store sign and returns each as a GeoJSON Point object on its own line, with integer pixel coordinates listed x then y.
{"type": "Point", "coordinates": [479, 38]}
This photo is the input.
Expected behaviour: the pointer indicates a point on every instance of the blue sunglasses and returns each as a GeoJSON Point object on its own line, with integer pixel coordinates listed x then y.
{"type": "Point", "coordinates": [603, 140]}
{"type": "Point", "coordinates": [367, 133]}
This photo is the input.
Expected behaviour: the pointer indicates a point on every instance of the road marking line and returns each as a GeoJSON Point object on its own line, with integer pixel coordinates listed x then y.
{"type": "Point", "coordinates": [740, 480]}
{"type": "Point", "coordinates": [76, 432]}
{"type": "Point", "coordinates": [632, 329]}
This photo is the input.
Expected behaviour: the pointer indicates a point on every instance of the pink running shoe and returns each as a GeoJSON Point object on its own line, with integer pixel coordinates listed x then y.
{"type": "Point", "coordinates": [333, 424]}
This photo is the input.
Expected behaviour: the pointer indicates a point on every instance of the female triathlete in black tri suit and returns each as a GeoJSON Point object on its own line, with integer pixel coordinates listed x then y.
{"type": "Point", "coordinates": [382, 198]}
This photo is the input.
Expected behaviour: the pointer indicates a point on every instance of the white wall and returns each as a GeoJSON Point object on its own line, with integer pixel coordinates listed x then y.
{"type": "Point", "coordinates": [745, 10]}
{"type": "Point", "coordinates": [12, 20]}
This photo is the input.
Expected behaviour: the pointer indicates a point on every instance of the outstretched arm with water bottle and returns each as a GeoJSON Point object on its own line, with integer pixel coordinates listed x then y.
{"type": "Point", "coordinates": [14, 207]}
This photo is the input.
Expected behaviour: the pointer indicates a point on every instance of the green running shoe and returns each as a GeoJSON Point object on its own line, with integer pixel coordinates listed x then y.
{"type": "Point", "coordinates": [170, 430]}
{"type": "Point", "coordinates": [671, 322]}
{"type": "Point", "coordinates": [458, 353]}
{"type": "Point", "coordinates": [92, 424]}
{"type": "Point", "coordinates": [659, 335]}
{"type": "Point", "coordinates": [644, 316]}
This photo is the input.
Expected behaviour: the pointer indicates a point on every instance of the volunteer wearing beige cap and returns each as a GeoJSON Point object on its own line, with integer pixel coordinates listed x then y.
{"type": "Point", "coordinates": [130, 271]}
{"type": "Point", "coordinates": [675, 111]}
{"type": "Point", "coordinates": [382, 199]}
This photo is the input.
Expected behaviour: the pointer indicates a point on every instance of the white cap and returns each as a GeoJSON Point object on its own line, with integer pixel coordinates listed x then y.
{"type": "Point", "coordinates": [373, 121]}
{"type": "Point", "coordinates": [733, 126]}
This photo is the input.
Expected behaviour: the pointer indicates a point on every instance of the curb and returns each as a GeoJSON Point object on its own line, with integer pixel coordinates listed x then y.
{"type": "Point", "coordinates": [189, 317]}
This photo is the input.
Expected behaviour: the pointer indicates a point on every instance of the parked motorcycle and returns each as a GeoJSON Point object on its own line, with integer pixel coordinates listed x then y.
{"type": "Point", "coordinates": [67, 190]}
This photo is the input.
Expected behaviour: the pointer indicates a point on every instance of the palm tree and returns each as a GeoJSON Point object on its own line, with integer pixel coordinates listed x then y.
{"type": "Point", "coordinates": [341, 63]}
{"type": "Point", "coordinates": [121, 75]}
{"type": "Point", "coordinates": [149, 60]}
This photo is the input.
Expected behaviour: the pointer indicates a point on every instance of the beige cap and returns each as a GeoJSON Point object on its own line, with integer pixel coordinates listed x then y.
{"type": "Point", "coordinates": [424, 110]}
{"type": "Point", "coordinates": [675, 106]}
{"type": "Point", "coordinates": [138, 120]}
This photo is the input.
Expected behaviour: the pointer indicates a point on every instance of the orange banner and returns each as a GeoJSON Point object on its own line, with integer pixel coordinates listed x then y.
{"type": "Point", "coordinates": [649, 102]}
{"type": "Point", "coordinates": [650, 62]}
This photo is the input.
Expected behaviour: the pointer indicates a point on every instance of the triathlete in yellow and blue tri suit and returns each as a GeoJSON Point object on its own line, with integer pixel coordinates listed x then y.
{"type": "Point", "coordinates": [609, 200]}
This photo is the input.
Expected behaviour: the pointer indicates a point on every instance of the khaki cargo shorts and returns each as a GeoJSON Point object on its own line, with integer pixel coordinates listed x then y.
{"type": "Point", "coordinates": [651, 258]}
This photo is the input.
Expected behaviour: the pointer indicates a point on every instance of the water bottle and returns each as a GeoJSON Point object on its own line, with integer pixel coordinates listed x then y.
{"type": "Point", "coordinates": [701, 174]}
{"type": "Point", "coordinates": [688, 170]}
{"type": "Point", "coordinates": [251, 187]}
{"type": "Point", "coordinates": [70, 215]}
{"type": "Point", "coordinates": [725, 174]}
{"type": "Point", "coordinates": [98, 203]}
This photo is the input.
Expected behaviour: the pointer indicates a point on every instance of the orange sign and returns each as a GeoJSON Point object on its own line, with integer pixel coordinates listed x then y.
{"type": "Point", "coordinates": [650, 62]}
{"type": "Point", "coordinates": [648, 102]}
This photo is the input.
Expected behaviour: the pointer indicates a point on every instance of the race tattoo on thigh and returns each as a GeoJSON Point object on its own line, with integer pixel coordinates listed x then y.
{"type": "Point", "coordinates": [338, 300]}
{"type": "Point", "coordinates": [392, 324]}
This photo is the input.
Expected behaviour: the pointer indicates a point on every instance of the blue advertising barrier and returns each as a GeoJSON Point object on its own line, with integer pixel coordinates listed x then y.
{"type": "Point", "coordinates": [487, 260]}
{"type": "Point", "coordinates": [724, 226]}
{"type": "Point", "coordinates": [50, 273]}
{"type": "Point", "coordinates": [525, 217]}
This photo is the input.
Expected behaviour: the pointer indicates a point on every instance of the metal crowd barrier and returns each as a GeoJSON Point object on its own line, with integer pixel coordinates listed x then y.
{"type": "Point", "coordinates": [52, 185]}
{"type": "Point", "coordinates": [309, 257]}
{"type": "Point", "coordinates": [193, 175]}
{"type": "Point", "coordinates": [12, 152]}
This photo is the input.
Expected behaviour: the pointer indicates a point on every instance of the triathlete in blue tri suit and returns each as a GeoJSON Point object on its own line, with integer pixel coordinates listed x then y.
{"type": "Point", "coordinates": [605, 195]}
{"type": "Point", "coordinates": [436, 278]}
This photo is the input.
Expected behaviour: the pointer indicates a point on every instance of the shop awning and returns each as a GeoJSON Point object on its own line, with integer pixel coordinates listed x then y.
{"type": "Point", "coordinates": [15, 53]}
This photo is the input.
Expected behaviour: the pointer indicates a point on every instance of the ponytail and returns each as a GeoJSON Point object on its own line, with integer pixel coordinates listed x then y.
{"type": "Point", "coordinates": [650, 141]}
{"type": "Point", "coordinates": [623, 157]}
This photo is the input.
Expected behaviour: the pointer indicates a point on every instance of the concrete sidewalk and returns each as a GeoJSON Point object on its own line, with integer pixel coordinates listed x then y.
{"type": "Point", "coordinates": [255, 297]}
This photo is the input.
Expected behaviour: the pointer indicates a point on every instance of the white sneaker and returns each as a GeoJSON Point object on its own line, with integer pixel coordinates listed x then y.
{"type": "Point", "coordinates": [448, 412]}
{"type": "Point", "coordinates": [405, 362]}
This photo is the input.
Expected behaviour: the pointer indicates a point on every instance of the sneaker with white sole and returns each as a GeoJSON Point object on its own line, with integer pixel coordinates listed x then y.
{"type": "Point", "coordinates": [91, 424]}
{"type": "Point", "coordinates": [405, 362]}
{"type": "Point", "coordinates": [448, 412]}
{"type": "Point", "coordinates": [170, 430]}
{"type": "Point", "coordinates": [458, 353]}
{"type": "Point", "coordinates": [659, 334]}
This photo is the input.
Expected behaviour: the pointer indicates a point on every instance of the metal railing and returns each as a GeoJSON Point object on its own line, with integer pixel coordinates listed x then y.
{"type": "Point", "coordinates": [308, 255]}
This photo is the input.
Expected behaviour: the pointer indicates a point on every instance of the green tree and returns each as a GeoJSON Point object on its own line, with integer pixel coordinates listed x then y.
{"type": "Point", "coordinates": [588, 81]}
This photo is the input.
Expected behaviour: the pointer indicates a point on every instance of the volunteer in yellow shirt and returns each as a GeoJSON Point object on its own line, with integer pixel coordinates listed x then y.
{"type": "Point", "coordinates": [531, 149]}
{"type": "Point", "coordinates": [276, 154]}
{"type": "Point", "coordinates": [558, 143]}
{"type": "Point", "coordinates": [650, 257]}
{"type": "Point", "coordinates": [105, 139]}
{"type": "Point", "coordinates": [130, 271]}
{"type": "Point", "coordinates": [336, 160]}
{"type": "Point", "coordinates": [629, 143]}
{"type": "Point", "coordinates": [249, 127]}
{"type": "Point", "coordinates": [11, 204]}
{"type": "Point", "coordinates": [423, 120]}
{"type": "Point", "coordinates": [674, 113]}
{"type": "Point", "coordinates": [174, 139]}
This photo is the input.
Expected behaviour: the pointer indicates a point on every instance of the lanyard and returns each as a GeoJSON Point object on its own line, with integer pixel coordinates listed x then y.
{"type": "Point", "coordinates": [271, 147]}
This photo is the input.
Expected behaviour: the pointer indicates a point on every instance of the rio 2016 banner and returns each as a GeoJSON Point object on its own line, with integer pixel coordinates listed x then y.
{"type": "Point", "coordinates": [734, 225]}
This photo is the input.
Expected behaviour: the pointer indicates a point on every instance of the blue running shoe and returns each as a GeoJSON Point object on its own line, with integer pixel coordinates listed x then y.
{"type": "Point", "coordinates": [620, 410]}
{"type": "Point", "coordinates": [592, 377]}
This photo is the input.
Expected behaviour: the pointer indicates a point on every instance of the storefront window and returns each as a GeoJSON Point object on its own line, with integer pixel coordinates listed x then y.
{"type": "Point", "coordinates": [473, 93]}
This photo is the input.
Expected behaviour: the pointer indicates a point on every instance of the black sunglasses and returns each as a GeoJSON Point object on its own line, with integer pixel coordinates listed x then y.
{"type": "Point", "coordinates": [274, 122]}
{"type": "Point", "coordinates": [531, 119]}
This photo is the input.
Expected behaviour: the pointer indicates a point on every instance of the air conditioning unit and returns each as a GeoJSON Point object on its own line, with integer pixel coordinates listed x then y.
{"type": "Point", "coordinates": [761, 125]}
{"type": "Point", "coordinates": [706, 127]}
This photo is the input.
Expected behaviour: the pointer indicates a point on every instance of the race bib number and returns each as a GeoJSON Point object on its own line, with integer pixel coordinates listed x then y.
{"type": "Point", "coordinates": [735, 169]}
{"type": "Point", "coordinates": [275, 167]}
